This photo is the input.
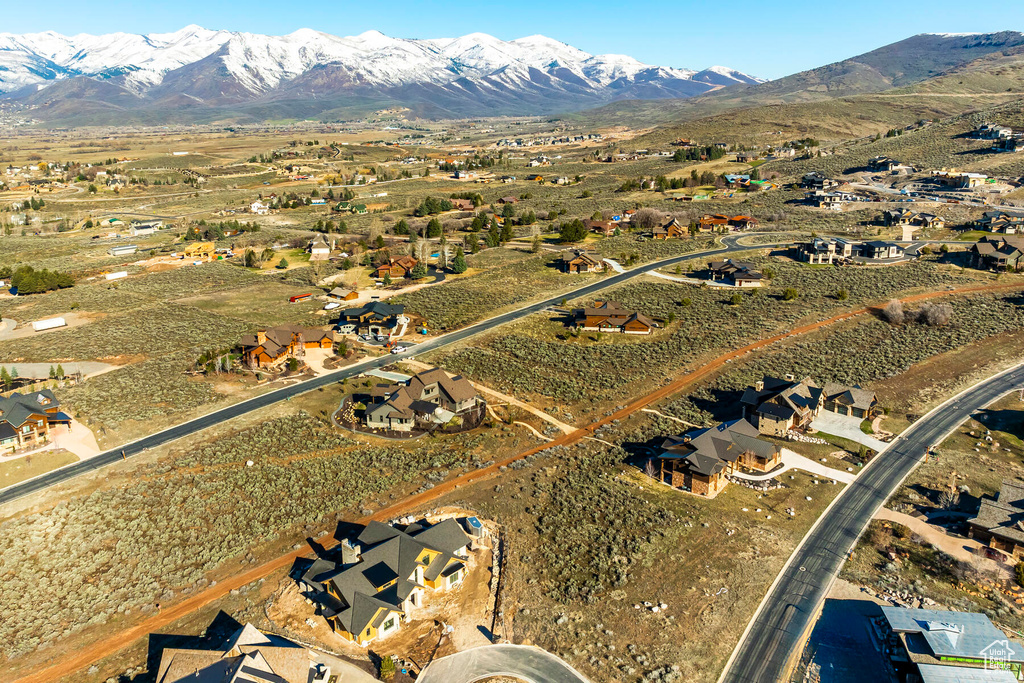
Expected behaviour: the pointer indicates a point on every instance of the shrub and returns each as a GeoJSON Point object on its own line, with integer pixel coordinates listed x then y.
{"type": "Point", "coordinates": [790, 294]}
{"type": "Point", "coordinates": [893, 312]}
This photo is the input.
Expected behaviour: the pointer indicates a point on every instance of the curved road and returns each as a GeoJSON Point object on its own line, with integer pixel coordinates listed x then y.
{"type": "Point", "coordinates": [523, 662]}
{"type": "Point", "coordinates": [198, 424]}
{"type": "Point", "coordinates": [776, 634]}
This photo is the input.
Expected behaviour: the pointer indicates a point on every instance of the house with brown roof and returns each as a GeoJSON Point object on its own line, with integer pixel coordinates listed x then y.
{"type": "Point", "coordinates": [610, 316]}
{"type": "Point", "coordinates": [737, 273]}
{"type": "Point", "coordinates": [462, 204]}
{"type": "Point", "coordinates": [27, 419]}
{"type": "Point", "coordinates": [426, 400]}
{"type": "Point", "coordinates": [343, 294]}
{"type": "Point", "coordinates": [1000, 521]}
{"type": "Point", "coordinates": [671, 229]}
{"type": "Point", "coordinates": [247, 656]}
{"type": "Point", "coordinates": [386, 575]}
{"type": "Point", "coordinates": [700, 461]}
{"type": "Point", "coordinates": [606, 228]}
{"type": "Point", "coordinates": [579, 261]}
{"type": "Point", "coordinates": [270, 348]}
{"type": "Point", "coordinates": [398, 267]}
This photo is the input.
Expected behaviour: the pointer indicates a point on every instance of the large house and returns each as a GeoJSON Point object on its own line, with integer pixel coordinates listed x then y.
{"type": "Point", "coordinates": [999, 221]}
{"type": "Point", "coordinates": [904, 217]}
{"type": "Point", "coordinates": [385, 574]}
{"type": "Point", "coordinates": [776, 406]}
{"type": "Point", "coordinates": [1000, 521]}
{"type": "Point", "coordinates": [579, 261]}
{"type": "Point", "coordinates": [959, 179]}
{"type": "Point", "coordinates": [270, 348]}
{"type": "Point", "coordinates": [879, 249]}
{"type": "Point", "coordinates": [247, 656]}
{"type": "Point", "coordinates": [817, 181]}
{"type": "Point", "coordinates": [397, 267]}
{"type": "Point", "coordinates": [739, 273]}
{"type": "Point", "coordinates": [720, 220]}
{"type": "Point", "coordinates": [426, 400]}
{"type": "Point", "coordinates": [700, 461]}
{"type": "Point", "coordinates": [374, 318]}
{"type": "Point", "coordinates": [319, 249]}
{"type": "Point", "coordinates": [610, 316]}
{"type": "Point", "coordinates": [1005, 252]}
{"type": "Point", "coordinates": [672, 228]}
{"type": "Point", "coordinates": [202, 251]}
{"type": "Point", "coordinates": [25, 419]}
{"type": "Point", "coordinates": [822, 250]}
{"type": "Point", "coordinates": [942, 646]}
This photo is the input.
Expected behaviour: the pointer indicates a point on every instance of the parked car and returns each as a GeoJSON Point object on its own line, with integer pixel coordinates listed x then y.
{"type": "Point", "coordinates": [399, 349]}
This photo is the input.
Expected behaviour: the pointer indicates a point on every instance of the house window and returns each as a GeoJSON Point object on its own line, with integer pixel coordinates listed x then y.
{"type": "Point", "coordinates": [26, 429]}
{"type": "Point", "coordinates": [389, 624]}
{"type": "Point", "coordinates": [453, 578]}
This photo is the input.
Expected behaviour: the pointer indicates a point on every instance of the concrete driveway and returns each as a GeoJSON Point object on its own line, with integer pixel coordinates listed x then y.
{"type": "Point", "coordinates": [846, 427]}
{"type": "Point", "coordinates": [524, 662]}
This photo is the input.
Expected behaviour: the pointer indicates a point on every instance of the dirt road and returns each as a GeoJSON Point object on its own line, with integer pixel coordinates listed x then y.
{"type": "Point", "coordinates": [90, 655]}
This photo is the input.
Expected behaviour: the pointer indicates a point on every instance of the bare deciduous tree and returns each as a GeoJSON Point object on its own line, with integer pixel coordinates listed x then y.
{"type": "Point", "coordinates": [646, 219]}
{"type": "Point", "coordinates": [935, 315]}
{"type": "Point", "coordinates": [893, 312]}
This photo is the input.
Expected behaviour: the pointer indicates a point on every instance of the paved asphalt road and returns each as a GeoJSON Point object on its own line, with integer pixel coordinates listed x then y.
{"type": "Point", "coordinates": [191, 427]}
{"type": "Point", "coordinates": [777, 631]}
{"type": "Point", "coordinates": [523, 662]}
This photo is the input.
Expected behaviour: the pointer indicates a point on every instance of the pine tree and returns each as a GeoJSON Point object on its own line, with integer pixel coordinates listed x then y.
{"type": "Point", "coordinates": [459, 262]}
{"type": "Point", "coordinates": [387, 278]}
{"type": "Point", "coordinates": [53, 372]}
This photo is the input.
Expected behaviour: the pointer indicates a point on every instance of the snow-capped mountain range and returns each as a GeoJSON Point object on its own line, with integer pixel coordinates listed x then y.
{"type": "Point", "coordinates": [197, 67]}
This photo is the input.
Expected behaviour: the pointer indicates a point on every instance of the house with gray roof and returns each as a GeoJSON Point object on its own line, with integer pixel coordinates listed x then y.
{"type": "Point", "coordinates": [247, 656]}
{"type": "Point", "coordinates": [943, 646]}
{"type": "Point", "coordinates": [701, 460]}
{"type": "Point", "coordinates": [778, 406]}
{"type": "Point", "coordinates": [376, 317]}
{"type": "Point", "coordinates": [385, 575]}
{"type": "Point", "coordinates": [426, 400]}
{"type": "Point", "coordinates": [1000, 521]}
{"type": "Point", "coordinates": [26, 419]}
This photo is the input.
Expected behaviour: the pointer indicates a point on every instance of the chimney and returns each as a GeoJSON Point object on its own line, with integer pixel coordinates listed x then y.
{"type": "Point", "coordinates": [790, 378]}
{"type": "Point", "coordinates": [759, 385]}
{"type": "Point", "coordinates": [350, 552]}
{"type": "Point", "coordinates": [261, 336]}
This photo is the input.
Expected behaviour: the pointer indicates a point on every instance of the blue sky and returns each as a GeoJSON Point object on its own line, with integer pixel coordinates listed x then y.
{"type": "Point", "coordinates": [767, 39]}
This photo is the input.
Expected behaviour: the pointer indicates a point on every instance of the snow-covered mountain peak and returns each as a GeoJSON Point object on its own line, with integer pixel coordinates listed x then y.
{"type": "Point", "coordinates": [239, 65]}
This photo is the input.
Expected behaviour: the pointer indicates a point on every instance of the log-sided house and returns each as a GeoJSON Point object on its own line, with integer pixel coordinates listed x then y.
{"type": "Point", "coordinates": [610, 316]}
{"type": "Point", "coordinates": [669, 230]}
{"type": "Point", "coordinates": [270, 348]}
{"type": "Point", "coordinates": [1000, 521]}
{"type": "Point", "coordinates": [579, 261]}
{"type": "Point", "coordinates": [428, 399]}
{"type": "Point", "coordinates": [385, 574]}
{"type": "Point", "coordinates": [700, 461]}
{"type": "Point", "coordinates": [26, 419]}
{"type": "Point", "coordinates": [397, 267]}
